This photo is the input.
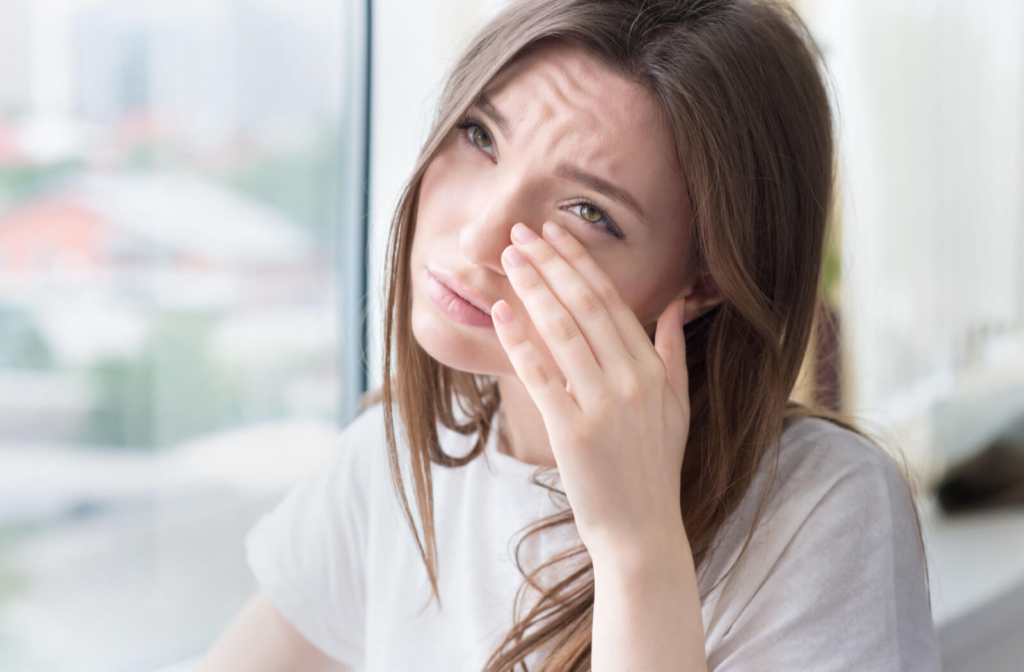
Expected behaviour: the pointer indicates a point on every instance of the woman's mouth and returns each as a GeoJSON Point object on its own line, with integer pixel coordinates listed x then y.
{"type": "Point", "coordinates": [454, 306]}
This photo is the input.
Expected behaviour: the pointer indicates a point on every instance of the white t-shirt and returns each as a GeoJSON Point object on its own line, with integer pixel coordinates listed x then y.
{"type": "Point", "coordinates": [832, 580]}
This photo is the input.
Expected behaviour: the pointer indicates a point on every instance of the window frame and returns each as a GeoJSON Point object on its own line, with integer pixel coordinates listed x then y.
{"type": "Point", "coordinates": [354, 214]}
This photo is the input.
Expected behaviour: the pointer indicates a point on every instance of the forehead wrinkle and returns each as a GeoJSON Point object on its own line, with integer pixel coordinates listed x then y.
{"type": "Point", "coordinates": [550, 81]}
{"type": "Point", "coordinates": [582, 141]}
{"type": "Point", "coordinates": [573, 122]}
{"type": "Point", "coordinates": [574, 95]}
{"type": "Point", "coordinates": [572, 114]}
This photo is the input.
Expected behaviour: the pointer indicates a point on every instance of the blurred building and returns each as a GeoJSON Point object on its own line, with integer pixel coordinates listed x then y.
{"type": "Point", "coordinates": [236, 59]}
{"type": "Point", "coordinates": [15, 58]}
{"type": "Point", "coordinates": [162, 240]}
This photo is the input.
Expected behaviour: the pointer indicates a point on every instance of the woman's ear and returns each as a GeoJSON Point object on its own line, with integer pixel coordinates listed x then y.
{"type": "Point", "coordinates": [708, 286]}
{"type": "Point", "coordinates": [701, 296]}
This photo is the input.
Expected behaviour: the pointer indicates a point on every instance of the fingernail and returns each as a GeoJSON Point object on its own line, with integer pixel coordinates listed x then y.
{"type": "Point", "coordinates": [523, 234]}
{"type": "Point", "coordinates": [514, 258]}
{"type": "Point", "coordinates": [553, 231]}
{"type": "Point", "coordinates": [504, 312]}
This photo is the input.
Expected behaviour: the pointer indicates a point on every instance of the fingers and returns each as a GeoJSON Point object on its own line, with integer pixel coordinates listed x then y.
{"type": "Point", "coordinates": [556, 326]}
{"type": "Point", "coordinates": [538, 373]}
{"type": "Point", "coordinates": [632, 336]}
{"type": "Point", "coordinates": [670, 342]}
{"type": "Point", "coordinates": [577, 294]}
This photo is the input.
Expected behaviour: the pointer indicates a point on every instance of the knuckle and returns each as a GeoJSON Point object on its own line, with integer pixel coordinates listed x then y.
{"type": "Point", "coordinates": [587, 300]}
{"type": "Point", "coordinates": [563, 327]}
{"type": "Point", "coordinates": [583, 435]}
{"type": "Point", "coordinates": [572, 251]}
{"type": "Point", "coordinates": [655, 371]}
{"type": "Point", "coordinates": [545, 255]}
{"type": "Point", "coordinates": [541, 374]}
{"type": "Point", "coordinates": [607, 405]}
{"type": "Point", "coordinates": [607, 293]}
{"type": "Point", "coordinates": [630, 387]}
{"type": "Point", "coordinates": [529, 282]}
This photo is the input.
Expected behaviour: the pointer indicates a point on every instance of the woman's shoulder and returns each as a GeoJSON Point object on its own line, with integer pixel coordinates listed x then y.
{"type": "Point", "coordinates": [816, 449]}
{"type": "Point", "coordinates": [829, 481]}
{"type": "Point", "coordinates": [835, 542]}
{"type": "Point", "coordinates": [359, 447]}
{"type": "Point", "coordinates": [833, 496]}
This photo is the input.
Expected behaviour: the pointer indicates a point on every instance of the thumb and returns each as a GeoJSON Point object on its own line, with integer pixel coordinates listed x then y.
{"type": "Point", "coordinates": [670, 342]}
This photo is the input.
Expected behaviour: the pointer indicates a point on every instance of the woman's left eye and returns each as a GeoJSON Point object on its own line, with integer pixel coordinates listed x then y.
{"type": "Point", "coordinates": [593, 215]}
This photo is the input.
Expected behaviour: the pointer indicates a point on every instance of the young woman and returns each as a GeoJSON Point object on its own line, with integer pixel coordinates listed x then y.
{"type": "Point", "coordinates": [602, 281]}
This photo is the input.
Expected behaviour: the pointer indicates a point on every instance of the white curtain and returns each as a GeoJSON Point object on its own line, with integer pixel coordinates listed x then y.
{"type": "Point", "coordinates": [930, 97]}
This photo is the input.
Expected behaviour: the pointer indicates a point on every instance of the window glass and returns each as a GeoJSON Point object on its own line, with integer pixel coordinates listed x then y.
{"type": "Point", "coordinates": [171, 189]}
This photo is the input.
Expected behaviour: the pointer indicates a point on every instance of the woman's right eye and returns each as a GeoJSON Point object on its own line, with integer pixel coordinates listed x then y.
{"type": "Point", "coordinates": [476, 135]}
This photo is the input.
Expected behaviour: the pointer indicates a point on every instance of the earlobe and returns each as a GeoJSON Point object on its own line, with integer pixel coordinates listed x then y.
{"type": "Point", "coordinates": [702, 298]}
{"type": "Point", "coordinates": [700, 307]}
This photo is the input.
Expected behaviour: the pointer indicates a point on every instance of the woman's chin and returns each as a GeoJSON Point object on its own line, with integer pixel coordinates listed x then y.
{"type": "Point", "coordinates": [456, 346]}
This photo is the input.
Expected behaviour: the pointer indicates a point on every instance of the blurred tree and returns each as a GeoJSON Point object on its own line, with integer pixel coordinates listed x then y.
{"type": "Point", "coordinates": [22, 183]}
{"type": "Point", "coordinates": [21, 344]}
{"type": "Point", "coordinates": [171, 392]}
{"type": "Point", "coordinates": [13, 582]}
{"type": "Point", "coordinates": [830, 270]}
{"type": "Point", "coordinates": [300, 183]}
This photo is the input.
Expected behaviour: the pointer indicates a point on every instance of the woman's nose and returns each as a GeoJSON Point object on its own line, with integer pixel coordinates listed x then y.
{"type": "Point", "coordinates": [488, 229]}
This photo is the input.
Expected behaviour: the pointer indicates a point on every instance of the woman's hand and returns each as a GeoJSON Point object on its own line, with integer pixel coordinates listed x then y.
{"type": "Point", "coordinates": [616, 408]}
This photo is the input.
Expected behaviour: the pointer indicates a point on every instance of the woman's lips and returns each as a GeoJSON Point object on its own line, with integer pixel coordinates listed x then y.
{"type": "Point", "coordinates": [454, 306]}
{"type": "Point", "coordinates": [464, 291]}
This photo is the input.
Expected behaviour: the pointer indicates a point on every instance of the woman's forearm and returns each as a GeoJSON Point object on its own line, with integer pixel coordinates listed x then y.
{"type": "Point", "coordinates": [647, 615]}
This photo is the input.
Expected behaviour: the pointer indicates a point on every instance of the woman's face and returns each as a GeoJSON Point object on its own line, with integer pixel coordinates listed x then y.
{"type": "Point", "coordinates": [555, 137]}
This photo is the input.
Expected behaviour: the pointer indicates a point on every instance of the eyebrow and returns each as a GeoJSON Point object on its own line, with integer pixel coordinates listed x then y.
{"type": "Point", "coordinates": [488, 108]}
{"type": "Point", "coordinates": [565, 170]}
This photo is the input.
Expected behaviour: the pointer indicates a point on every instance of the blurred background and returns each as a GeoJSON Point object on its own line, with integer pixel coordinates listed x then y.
{"type": "Point", "coordinates": [194, 200]}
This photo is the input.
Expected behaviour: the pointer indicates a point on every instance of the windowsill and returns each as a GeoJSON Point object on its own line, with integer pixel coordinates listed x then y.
{"type": "Point", "coordinates": [976, 571]}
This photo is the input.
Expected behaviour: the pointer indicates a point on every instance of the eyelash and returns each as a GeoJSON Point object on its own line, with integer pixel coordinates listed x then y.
{"type": "Point", "coordinates": [612, 229]}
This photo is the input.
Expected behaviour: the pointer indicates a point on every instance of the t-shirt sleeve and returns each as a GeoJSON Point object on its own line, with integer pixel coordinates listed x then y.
{"type": "Point", "coordinates": [308, 553]}
{"type": "Point", "coordinates": [841, 581]}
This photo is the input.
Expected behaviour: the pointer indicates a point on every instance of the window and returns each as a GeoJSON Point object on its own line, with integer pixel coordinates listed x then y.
{"type": "Point", "coordinates": [182, 283]}
{"type": "Point", "coordinates": [932, 153]}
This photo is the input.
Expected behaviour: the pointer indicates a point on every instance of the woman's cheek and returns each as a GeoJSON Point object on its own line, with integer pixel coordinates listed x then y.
{"type": "Point", "coordinates": [446, 185]}
{"type": "Point", "coordinates": [432, 177]}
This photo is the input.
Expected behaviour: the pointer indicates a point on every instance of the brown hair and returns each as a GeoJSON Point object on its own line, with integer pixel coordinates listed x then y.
{"type": "Point", "coordinates": [740, 84]}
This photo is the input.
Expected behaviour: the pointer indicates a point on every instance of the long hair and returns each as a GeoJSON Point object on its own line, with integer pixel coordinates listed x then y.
{"type": "Point", "coordinates": [742, 84]}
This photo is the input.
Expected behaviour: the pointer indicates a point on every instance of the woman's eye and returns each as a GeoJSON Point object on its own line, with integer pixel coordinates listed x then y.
{"type": "Point", "coordinates": [477, 135]}
{"type": "Point", "coordinates": [592, 215]}
{"type": "Point", "coordinates": [480, 138]}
